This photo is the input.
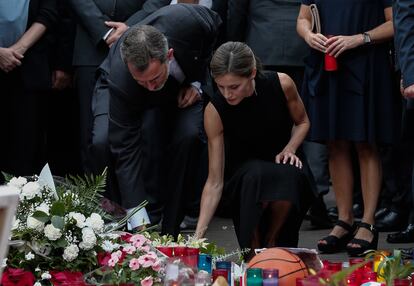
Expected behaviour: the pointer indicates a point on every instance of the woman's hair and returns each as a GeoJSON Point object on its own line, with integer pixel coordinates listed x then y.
{"type": "Point", "coordinates": [236, 58]}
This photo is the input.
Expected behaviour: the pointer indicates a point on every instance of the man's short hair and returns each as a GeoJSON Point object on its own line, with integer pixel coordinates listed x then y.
{"type": "Point", "coordinates": [142, 44]}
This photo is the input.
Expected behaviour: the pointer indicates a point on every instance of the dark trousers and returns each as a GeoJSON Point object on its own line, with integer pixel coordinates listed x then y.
{"type": "Point", "coordinates": [172, 152]}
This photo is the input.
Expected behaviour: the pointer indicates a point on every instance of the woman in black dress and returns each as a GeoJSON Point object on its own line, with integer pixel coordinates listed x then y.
{"type": "Point", "coordinates": [352, 107]}
{"type": "Point", "coordinates": [255, 124]}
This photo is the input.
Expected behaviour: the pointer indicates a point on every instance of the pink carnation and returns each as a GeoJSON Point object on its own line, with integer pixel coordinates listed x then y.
{"type": "Point", "coordinates": [138, 240]}
{"type": "Point", "coordinates": [146, 260]}
{"type": "Point", "coordinates": [147, 281]}
{"type": "Point", "coordinates": [156, 266]}
{"type": "Point", "coordinates": [134, 264]}
{"type": "Point", "coordinates": [112, 262]}
{"type": "Point", "coordinates": [130, 249]}
{"type": "Point", "coordinates": [145, 248]}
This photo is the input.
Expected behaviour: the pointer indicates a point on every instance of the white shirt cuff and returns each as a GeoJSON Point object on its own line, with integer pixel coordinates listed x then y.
{"type": "Point", "coordinates": [107, 34]}
{"type": "Point", "coordinates": [139, 218]}
{"type": "Point", "coordinates": [197, 85]}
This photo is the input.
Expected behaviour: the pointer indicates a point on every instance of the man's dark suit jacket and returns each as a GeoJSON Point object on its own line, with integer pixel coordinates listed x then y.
{"type": "Point", "coordinates": [191, 31]}
{"type": "Point", "coordinates": [404, 41]}
{"type": "Point", "coordinates": [90, 49]}
{"type": "Point", "coordinates": [269, 28]}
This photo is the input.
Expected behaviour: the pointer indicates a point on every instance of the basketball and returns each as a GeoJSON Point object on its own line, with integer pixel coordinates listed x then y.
{"type": "Point", "coordinates": [290, 266]}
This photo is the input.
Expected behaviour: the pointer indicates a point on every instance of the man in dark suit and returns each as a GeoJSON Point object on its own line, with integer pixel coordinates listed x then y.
{"type": "Point", "coordinates": [100, 24]}
{"type": "Point", "coordinates": [404, 46]}
{"type": "Point", "coordinates": [152, 76]}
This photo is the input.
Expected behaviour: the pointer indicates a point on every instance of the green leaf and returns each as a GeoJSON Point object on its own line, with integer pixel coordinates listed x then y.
{"type": "Point", "coordinates": [61, 243]}
{"type": "Point", "coordinates": [7, 176]}
{"type": "Point", "coordinates": [41, 216]}
{"type": "Point", "coordinates": [58, 209]}
{"type": "Point", "coordinates": [58, 222]}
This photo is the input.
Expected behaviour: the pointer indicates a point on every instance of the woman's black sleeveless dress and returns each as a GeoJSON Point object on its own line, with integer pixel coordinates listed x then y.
{"type": "Point", "coordinates": [255, 131]}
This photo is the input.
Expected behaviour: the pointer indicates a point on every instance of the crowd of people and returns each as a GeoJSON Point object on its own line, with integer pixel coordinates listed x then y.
{"type": "Point", "coordinates": [244, 108]}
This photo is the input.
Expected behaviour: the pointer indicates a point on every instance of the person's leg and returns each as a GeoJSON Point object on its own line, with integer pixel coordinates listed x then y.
{"type": "Point", "coordinates": [340, 166]}
{"type": "Point", "coordinates": [371, 183]}
{"type": "Point", "coordinates": [278, 211]}
{"type": "Point", "coordinates": [183, 163]}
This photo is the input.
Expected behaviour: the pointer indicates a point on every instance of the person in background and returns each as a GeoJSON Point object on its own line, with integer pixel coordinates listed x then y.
{"type": "Point", "coordinates": [255, 124]}
{"type": "Point", "coordinates": [353, 106]}
{"type": "Point", "coordinates": [149, 89]}
{"type": "Point", "coordinates": [404, 46]}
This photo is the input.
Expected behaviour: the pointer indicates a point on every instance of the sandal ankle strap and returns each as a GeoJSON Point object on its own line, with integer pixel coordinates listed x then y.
{"type": "Point", "coordinates": [345, 226]}
{"type": "Point", "coordinates": [368, 226]}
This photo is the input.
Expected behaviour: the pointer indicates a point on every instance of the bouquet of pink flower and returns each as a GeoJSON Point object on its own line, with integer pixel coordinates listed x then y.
{"type": "Point", "coordinates": [129, 260]}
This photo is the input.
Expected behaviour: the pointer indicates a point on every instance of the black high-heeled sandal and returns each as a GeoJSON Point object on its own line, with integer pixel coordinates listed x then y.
{"type": "Point", "coordinates": [364, 244]}
{"type": "Point", "coordinates": [336, 244]}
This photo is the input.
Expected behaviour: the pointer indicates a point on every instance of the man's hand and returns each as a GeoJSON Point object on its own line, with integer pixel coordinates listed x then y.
{"type": "Point", "coordinates": [188, 96]}
{"type": "Point", "coordinates": [61, 80]}
{"type": "Point", "coordinates": [9, 59]}
{"type": "Point", "coordinates": [409, 91]}
{"type": "Point", "coordinates": [316, 41]}
{"type": "Point", "coordinates": [118, 29]}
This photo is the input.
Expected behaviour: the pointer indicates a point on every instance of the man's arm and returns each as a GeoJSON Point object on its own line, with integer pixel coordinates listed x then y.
{"type": "Point", "coordinates": [214, 185]}
{"type": "Point", "coordinates": [237, 15]}
{"type": "Point", "coordinates": [404, 42]}
{"type": "Point", "coordinates": [91, 18]}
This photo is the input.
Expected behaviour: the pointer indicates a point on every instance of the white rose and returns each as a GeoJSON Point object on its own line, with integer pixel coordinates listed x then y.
{"type": "Point", "coordinates": [4, 264]}
{"type": "Point", "coordinates": [95, 222]}
{"type": "Point", "coordinates": [43, 208]}
{"type": "Point", "coordinates": [52, 233]}
{"type": "Point", "coordinates": [88, 239]}
{"type": "Point", "coordinates": [29, 256]}
{"type": "Point", "coordinates": [17, 182]}
{"type": "Point", "coordinates": [37, 284]}
{"type": "Point", "coordinates": [46, 275]}
{"type": "Point", "coordinates": [80, 219]}
{"type": "Point", "coordinates": [71, 252]}
{"type": "Point", "coordinates": [30, 190]}
{"type": "Point", "coordinates": [35, 224]}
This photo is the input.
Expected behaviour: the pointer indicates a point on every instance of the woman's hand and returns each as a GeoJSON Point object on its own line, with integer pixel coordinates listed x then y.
{"type": "Point", "coordinates": [339, 44]}
{"type": "Point", "coordinates": [9, 59]}
{"type": "Point", "coordinates": [316, 41]}
{"type": "Point", "coordinates": [288, 157]}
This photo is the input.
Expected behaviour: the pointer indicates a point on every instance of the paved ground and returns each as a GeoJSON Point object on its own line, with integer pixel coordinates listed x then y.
{"type": "Point", "coordinates": [221, 231]}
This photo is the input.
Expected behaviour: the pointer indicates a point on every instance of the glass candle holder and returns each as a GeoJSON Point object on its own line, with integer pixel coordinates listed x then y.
{"type": "Point", "coordinates": [335, 266]}
{"type": "Point", "coordinates": [220, 272]}
{"type": "Point", "coordinates": [254, 277]}
{"type": "Point", "coordinates": [204, 262]}
{"type": "Point", "coordinates": [192, 256]}
{"type": "Point", "coordinates": [402, 282]}
{"type": "Point", "coordinates": [167, 250]}
{"type": "Point", "coordinates": [270, 277]}
{"type": "Point", "coordinates": [180, 251]}
{"type": "Point", "coordinates": [225, 265]}
{"type": "Point", "coordinates": [202, 278]}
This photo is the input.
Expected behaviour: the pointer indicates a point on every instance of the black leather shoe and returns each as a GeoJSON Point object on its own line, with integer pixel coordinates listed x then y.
{"type": "Point", "coordinates": [392, 221]}
{"type": "Point", "coordinates": [363, 244]}
{"type": "Point", "coordinates": [333, 213]}
{"type": "Point", "coordinates": [379, 214]}
{"type": "Point", "coordinates": [407, 253]}
{"type": "Point", "coordinates": [358, 210]}
{"type": "Point", "coordinates": [405, 236]}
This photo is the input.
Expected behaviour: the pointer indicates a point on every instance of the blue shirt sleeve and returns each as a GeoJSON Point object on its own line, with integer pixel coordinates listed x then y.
{"type": "Point", "coordinates": [308, 2]}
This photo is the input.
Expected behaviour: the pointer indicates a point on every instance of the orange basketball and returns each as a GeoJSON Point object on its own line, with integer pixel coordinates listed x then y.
{"type": "Point", "coordinates": [290, 266]}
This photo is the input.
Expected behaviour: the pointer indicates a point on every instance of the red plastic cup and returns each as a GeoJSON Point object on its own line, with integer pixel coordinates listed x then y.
{"type": "Point", "coordinates": [335, 266]}
{"type": "Point", "coordinates": [167, 250]}
{"type": "Point", "coordinates": [330, 63]}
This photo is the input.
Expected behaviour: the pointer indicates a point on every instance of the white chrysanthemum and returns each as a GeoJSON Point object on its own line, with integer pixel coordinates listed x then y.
{"type": "Point", "coordinates": [37, 284]}
{"type": "Point", "coordinates": [46, 275]}
{"type": "Point", "coordinates": [4, 263]}
{"type": "Point", "coordinates": [95, 222]}
{"type": "Point", "coordinates": [88, 239]}
{"type": "Point", "coordinates": [71, 252]}
{"type": "Point", "coordinates": [52, 233]}
{"type": "Point", "coordinates": [109, 246]}
{"type": "Point", "coordinates": [30, 190]}
{"type": "Point", "coordinates": [29, 256]}
{"type": "Point", "coordinates": [35, 224]}
{"type": "Point", "coordinates": [17, 182]}
{"type": "Point", "coordinates": [80, 219]}
{"type": "Point", "coordinates": [44, 207]}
